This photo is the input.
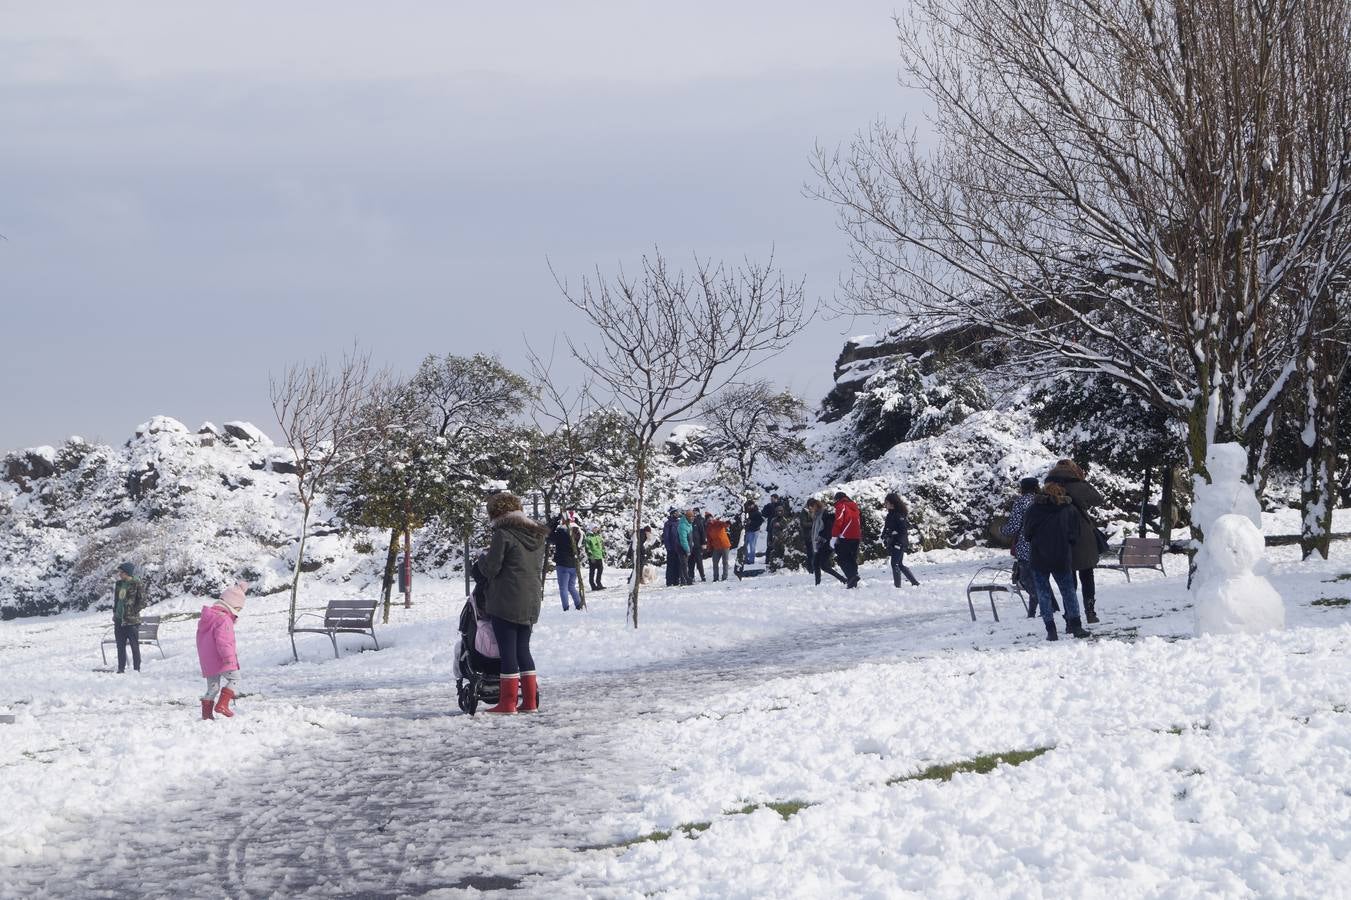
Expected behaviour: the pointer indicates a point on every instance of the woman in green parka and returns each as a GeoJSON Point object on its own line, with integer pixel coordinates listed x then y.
{"type": "Point", "coordinates": [513, 567]}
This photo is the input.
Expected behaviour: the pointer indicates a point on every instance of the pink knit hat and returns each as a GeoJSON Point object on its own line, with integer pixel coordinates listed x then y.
{"type": "Point", "coordinates": [233, 596]}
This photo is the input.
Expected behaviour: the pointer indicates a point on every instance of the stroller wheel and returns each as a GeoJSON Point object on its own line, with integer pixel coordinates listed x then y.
{"type": "Point", "coordinates": [464, 696]}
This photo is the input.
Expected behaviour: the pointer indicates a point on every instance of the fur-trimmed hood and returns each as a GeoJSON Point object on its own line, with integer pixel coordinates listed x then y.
{"type": "Point", "coordinates": [531, 533]}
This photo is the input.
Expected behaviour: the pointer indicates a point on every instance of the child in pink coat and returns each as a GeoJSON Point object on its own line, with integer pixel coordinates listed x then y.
{"type": "Point", "coordinates": [216, 650]}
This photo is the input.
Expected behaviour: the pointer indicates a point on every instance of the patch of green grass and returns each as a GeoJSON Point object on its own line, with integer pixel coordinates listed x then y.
{"type": "Point", "coordinates": [979, 765]}
{"type": "Point", "coordinates": [689, 829]}
{"type": "Point", "coordinates": [1332, 601]}
{"type": "Point", "coordinates": [786, 809]}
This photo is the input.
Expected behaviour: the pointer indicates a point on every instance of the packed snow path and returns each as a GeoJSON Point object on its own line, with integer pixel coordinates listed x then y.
{"type": "Point", "coordinates": [421, 797]}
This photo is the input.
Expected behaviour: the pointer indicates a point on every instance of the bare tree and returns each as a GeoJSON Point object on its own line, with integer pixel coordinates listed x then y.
{"type": "Point", "coordinates": [667, 339]}
{"type": "Point", "coordinates": [751, 423]}
{"type": "Point", "coordinates": [319, 410]}
{"type": "Point", "coordinates": [1158, 191]}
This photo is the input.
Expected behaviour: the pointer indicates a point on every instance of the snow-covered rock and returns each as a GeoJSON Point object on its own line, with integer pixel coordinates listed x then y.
{"type": "Point", "coordinates": [193, 517]}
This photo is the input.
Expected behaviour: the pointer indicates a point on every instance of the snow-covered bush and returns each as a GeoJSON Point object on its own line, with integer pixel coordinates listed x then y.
{"type": "Point", "coordinates": [907, 401]}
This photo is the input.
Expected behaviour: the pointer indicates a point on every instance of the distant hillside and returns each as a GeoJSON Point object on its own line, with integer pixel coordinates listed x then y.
{"type": "Point", "coordinates": [191, 509]}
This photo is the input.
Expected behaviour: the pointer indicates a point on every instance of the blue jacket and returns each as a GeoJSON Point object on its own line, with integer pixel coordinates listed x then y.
{"type": "Point", "coordinates": [685, 528]}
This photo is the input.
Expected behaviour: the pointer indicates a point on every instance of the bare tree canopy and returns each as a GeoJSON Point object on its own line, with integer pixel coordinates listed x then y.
{"type": "Point", "coordinates": [751, 423]}
{"type": "Point", "coordinates": [1155, 191]}
{"type": "Point", "coordinates": [321, 411]}
{"type": "Point", "coordinates": [665, 339]}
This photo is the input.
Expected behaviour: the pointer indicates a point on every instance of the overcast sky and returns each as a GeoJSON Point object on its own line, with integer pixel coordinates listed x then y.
{"type": "Point", "coordinates": [193, 194]}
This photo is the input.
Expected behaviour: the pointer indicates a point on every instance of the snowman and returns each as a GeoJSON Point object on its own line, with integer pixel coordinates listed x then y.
{"type": "Point", "coordinates": [1230, 597]}
{"type": "Point", "coordinates": [1229, 594]}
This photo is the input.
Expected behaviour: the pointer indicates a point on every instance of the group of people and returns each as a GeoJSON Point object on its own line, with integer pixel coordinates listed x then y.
{"type": "Point", "coordinates": [830, 532]}
{"type": "Point", "coordinates": [1055, 539]}
{"type": "Point", "coordinates": [689, 538]}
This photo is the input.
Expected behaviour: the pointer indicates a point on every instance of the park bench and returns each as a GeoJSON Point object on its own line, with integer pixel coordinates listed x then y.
{"type": "Point", "coordinates": [340, 617]}
{"type": "Point", "coordinates": [146, 633]}
{"type": "Point", "coordinates": [1138, 553]}
{"type": "Point", "coordinates": [991, 580]}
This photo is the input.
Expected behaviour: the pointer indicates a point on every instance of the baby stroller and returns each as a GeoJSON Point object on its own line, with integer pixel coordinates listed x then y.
{"type": "Point", "coordinates": [476, 675]}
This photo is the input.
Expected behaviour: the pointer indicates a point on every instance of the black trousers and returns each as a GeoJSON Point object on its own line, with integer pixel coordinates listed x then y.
{"type": "Point", "coordinates": [696, 561]}
{"type": "Point", "coordinates": [821, 560]}
{"type": "Point", "coordinates": [513, 642]}
{"type": "Point", "coordinates": [128, 634]}
{"type": "Point", "coordinates": [595, 568]}
{"type": "Point", "coordinates": [675, 567]}
{"type": "Point", "coordinates": [1088, 590]}
{"type": "Point", "coordinates": [846, 550]}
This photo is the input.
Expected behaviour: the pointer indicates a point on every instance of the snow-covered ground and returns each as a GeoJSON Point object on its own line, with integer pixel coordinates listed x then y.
{"type": "Point", "coordinates": [1172, 767]}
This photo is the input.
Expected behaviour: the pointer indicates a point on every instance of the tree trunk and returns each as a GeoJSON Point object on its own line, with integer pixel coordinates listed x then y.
{"type": "Point", "coordinates": [1168, 504]}
{"type": "Point", "coordinates": [1318, 454]}
{"type": "Point", "coordinates": [637, 543]}
{"type": "Point", "coordinates": [387, 585]}
{"type": "Point", "coordinates": [408, 565]}
{"type": "Point", "coordinates": [300, 558]}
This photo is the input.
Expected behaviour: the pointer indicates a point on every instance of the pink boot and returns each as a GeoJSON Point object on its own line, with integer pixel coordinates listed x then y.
{"type": "Point", "coordinates": [206, 709]}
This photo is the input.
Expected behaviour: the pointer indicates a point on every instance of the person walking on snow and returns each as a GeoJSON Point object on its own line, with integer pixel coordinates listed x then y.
{"type": "Point", "coordinates": [773, 543]}
{"type": "Point", "coordinates": [1022, 553]}
{"type": "Point", "coordinates": [595, 560]}
{"type": "Point", "coordinates": [670, 540]}
{"type": "Point", "coordinates": [685, 536]}
{"type": "Point", "coordinates": [719, 545]}
{"type": "Point", "coordinates": [698, 540]}
{"type": "Point", "coordinates": [512, 565]}
{"type": "Point", "coordinates": [896, 537]}
{"type": "Point", "coordinates": [754, 521]}
{"type": "Point", "coordinates": [1051, 528]}
{"type": "Point", "coordinates": [845, 536]}
{"type": "Point", "coordinates": [128, 601]}
{"type": "Point", "coordinates": [216, 651]}
{"type": "Point", "coordinates": [1070, 476]}
{"type": "Point", "coordinates": [823, 522]}
{"type": "Point", "coordinates": [565, 562]}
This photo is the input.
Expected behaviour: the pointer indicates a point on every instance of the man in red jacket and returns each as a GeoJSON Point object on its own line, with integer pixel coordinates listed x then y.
{"type": "Point", "coordinates": [846, 535]}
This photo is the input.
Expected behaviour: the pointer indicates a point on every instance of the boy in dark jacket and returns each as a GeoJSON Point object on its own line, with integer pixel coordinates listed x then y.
{"type": "Point", "coordinates": [1051, 528]}
{"type": "Point", "coordinates": [128, 601]}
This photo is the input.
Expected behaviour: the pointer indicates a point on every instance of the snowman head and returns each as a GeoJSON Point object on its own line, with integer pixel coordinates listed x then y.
{"type": "Point", "coordinates": [1226, 463]}
{"type": "Point", "coordinates": [1234, 545]}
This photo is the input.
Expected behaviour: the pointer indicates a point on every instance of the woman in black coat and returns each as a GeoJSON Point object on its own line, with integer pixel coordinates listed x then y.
{"type": "Point", "coordinates": [896, 537]}
{"type": "Point", "coordinates": [1051, 529]}
{"type": "Point", "coordinates": [1085, 498]}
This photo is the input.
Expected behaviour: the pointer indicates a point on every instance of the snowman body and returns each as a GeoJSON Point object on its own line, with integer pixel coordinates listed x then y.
{"type": "Point", "coordinates": [1232, 598]}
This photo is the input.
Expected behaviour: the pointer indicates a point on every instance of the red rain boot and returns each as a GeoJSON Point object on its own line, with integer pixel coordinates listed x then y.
{"type": "Point", "coordinates": [223, 704]}
{"type": "Point", "coordinates": [529, 693]}
{"type": "Point", "coordinates": [206, 709]}
{"type": "Point", "coordinates": [506, 705]}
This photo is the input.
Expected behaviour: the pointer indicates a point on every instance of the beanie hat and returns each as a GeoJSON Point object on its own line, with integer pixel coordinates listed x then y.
{"type": "Point", "coordinates": [233, 597]}
{"type": "Point", "coordinates": [501, 503]}
{"type": "Point", "coordinates": [127, 569]}
{"type": "Point", "coordinates": [1029, 485]}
